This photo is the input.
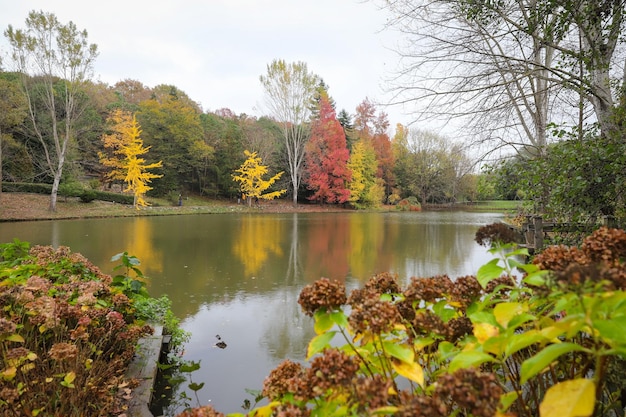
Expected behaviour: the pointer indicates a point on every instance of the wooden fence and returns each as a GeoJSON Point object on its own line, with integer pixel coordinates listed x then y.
{"type": "Point", "coordinates": [535, 230]}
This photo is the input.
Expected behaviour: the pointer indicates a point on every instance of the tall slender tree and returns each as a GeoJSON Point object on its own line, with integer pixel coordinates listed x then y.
{"type": "Point", "coordinates": [289, 91]}
{"type": "Point", "coordinates": [125, 161]}
{"type": "Point", "coordinates": [326, 160]}
{"type": "Point", "coordinates": [58, 59]}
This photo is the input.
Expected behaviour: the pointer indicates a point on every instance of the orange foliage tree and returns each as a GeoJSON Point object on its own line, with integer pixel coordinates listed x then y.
{"type": "Point", "coordinates": [326, 161]}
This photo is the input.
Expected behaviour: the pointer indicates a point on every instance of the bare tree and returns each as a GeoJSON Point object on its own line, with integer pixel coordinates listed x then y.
{"type": "Point", "coordinates": [289, 91]}
{"type": "Point", "coordinates": [507, 68]}
{"type": "Point", "coordinates": [58, 59]}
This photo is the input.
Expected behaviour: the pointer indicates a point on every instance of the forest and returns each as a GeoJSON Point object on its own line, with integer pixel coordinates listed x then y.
{"type": "Point", "coordinates": [540, 107]}
{"type": "Point", "coordinates": [329, 156]}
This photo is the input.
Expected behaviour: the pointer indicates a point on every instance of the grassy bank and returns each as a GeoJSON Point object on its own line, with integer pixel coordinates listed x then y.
{"type": "Point", "coordinates": [29, 206]}
{"type": "Point", "coordinates": [497, 205]}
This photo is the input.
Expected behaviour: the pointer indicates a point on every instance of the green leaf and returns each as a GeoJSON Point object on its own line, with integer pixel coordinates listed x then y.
{"type": "Point", "coordinates": [537, 278]}
{"type": "Point", "coordinates": [484, 317]}
{"type": "Point", "coordinates": [613, 331]}
{"type": "Point", "coordinates": [15, 338]}
{"type": "Point", "coordinates": [488, 272]}
{"type": "Point", "coordinates": [339, 318]}
{"type": "Point", "coordinates": [323, 321]}
{"type": "Point", "coordinates": [469, 359]}
{"type": "Point", "coordinates": [196, 387]}
{"type": "Point", "coordinates": [572, 398]}
{"type": "Point", "coordinates": [507, 399]}
{"type": "Point", "coordinates": [521, 319]}
{"type": "Point", "coordinates": [399, 351]}
{"type": "Point", "coordinates": [441, 309]}
{"type": "Point", "coordinates": [189, 366]}
{"type": "Point", "coordinates": [536, 364]}
{"type": "Point", "coordinates": [319, 342]}
{"type": "Point", "coordinates": [520, 341]}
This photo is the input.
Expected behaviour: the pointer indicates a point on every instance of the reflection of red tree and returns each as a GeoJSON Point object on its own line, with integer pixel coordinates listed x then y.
{"type": "Point", "coordinates": [328, 243]}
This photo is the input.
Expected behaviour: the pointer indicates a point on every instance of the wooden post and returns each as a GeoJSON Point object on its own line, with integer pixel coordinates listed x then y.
{"type": "Point", "coordinates": [538, 241]}
{"type": "Point", "coordinates": [610, 222]}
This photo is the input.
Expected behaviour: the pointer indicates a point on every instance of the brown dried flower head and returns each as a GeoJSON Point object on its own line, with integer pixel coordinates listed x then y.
{"type": "Point", "coordinates": [384, 283]}
{"type": "Point", "coordinates": [206, 411]}
{"type": "Point", "coordinates": [7, 326]}
{"type": "Point", "coordinates": [280, 381]}
{"type": "Point", "coordinates": [371, 393]}
{"type": "Point", "coordinates": [605, 245]}
{"type": "Point", "coordinates": [373, 315]}
{"type": "Point", "coordinates": [465, 290]}
{"type": "Point", "coordinates": [428, 289]}
{"type": "Point", "coordinates": [63, 351]}
{"type": "Point", "coordinates": [323, 293]}
{"type": "Point", "coordinates": [471, 390]}
{"type": "Point", "coordinates": [495, 233]}
{"type": "Point", "coordinates": [333, 369]}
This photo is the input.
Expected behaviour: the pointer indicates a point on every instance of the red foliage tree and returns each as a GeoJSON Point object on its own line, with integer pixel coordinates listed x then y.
{"type": "Point", "coordinates": [326, 157]}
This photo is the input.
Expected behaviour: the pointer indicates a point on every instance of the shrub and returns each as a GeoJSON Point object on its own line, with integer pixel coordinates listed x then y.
{"type": "Point", "coordinates": [87, 196]}
{"type": "Point", "coordinates": [409, 204]}
{"type": "Point", "coordinates": [492, 344]}
{"type": "Point", "coordinates": [67, 332]}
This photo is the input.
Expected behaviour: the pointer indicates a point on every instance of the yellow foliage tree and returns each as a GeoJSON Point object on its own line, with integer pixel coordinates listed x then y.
{"type": "Point", "coordinates": [250, 177]}
{"type": "Point", "coordinates": [119, 122]}
{"type": "Point", "coordinates": [126, 162]}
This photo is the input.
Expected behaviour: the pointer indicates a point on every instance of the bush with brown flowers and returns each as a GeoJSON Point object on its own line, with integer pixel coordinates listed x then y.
{"type": "Point", "coordinates": [539, 339]}
{"type": "Point", "coordinates": [67, 333]}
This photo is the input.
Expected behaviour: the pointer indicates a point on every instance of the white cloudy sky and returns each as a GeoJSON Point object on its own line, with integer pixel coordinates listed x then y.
{"type": "Point", "coordinates": [215, 50]}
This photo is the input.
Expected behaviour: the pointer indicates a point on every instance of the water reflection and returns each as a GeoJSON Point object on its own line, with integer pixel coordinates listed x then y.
{"type": "Point", "coordinates": [239, 276]}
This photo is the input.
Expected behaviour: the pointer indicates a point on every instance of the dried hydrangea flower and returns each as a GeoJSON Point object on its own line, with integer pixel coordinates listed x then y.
{"type": "Point", "coordinates": [279, 381]}
{"type": "Point", "coordinates": [428, 289]}
{"type": "Point", "coordinates": [323, 293]}
{"type": "Point", "coordinates": [63, 351]}
{"type": "Point", "coordinates": [471, 390]}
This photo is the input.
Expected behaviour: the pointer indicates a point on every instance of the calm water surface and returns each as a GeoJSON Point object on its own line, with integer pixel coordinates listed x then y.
{"type": "Point", "coordinates": [239, 275]}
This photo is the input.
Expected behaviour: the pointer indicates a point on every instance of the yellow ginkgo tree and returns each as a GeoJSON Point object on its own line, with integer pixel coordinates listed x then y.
{"type": "Point", "coordinates": [126, 162]}
{"type": "Point", "coordinates": [250, 177]}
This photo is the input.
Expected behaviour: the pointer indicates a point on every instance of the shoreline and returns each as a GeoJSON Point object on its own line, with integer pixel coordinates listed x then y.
{"type": "Point", "coordinates": [20, 207]}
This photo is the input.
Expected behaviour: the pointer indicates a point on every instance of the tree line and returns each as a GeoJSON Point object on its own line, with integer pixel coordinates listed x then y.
{"type": "Point", "coordinates": [538, 85]}
{"type": "Point", "coordinates": [55, 121]}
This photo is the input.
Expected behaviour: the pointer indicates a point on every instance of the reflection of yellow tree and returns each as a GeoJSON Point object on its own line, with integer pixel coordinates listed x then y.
{"type": "Point", "coordinates": [258, 237]}
{"type": "Point", "coordinates": [140, 245]}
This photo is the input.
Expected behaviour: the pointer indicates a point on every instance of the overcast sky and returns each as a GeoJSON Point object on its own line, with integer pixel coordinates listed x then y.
{"type": "Point", "coordinates": [215, 50]}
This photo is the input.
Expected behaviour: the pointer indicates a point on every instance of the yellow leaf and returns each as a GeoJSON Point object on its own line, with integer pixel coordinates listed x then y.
{"type": "Point", "coordinates": [266, 410]}
{"type": "Point", "coordinates": [15, 338]}
{"type": "Point", "coordinates": [573, 398]}
{"type": "Point", "coordinates": [485, 331]}
{"type": "Point", "coordinates": [504, 312]}
{"type": "Point", "coordinates": [409, 370]}
{"type": "Point", "coordinates": [9, 373]}
{"type": "Point", "coordinates": [70, 377]}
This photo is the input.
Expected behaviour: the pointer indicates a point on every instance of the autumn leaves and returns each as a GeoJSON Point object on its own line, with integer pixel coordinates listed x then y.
{"type": "Point", "coordinates": [123, 157]}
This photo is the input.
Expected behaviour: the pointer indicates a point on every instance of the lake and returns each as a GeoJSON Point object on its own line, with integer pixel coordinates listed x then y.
{"type": "Point", "coordinates": [239, 275]}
